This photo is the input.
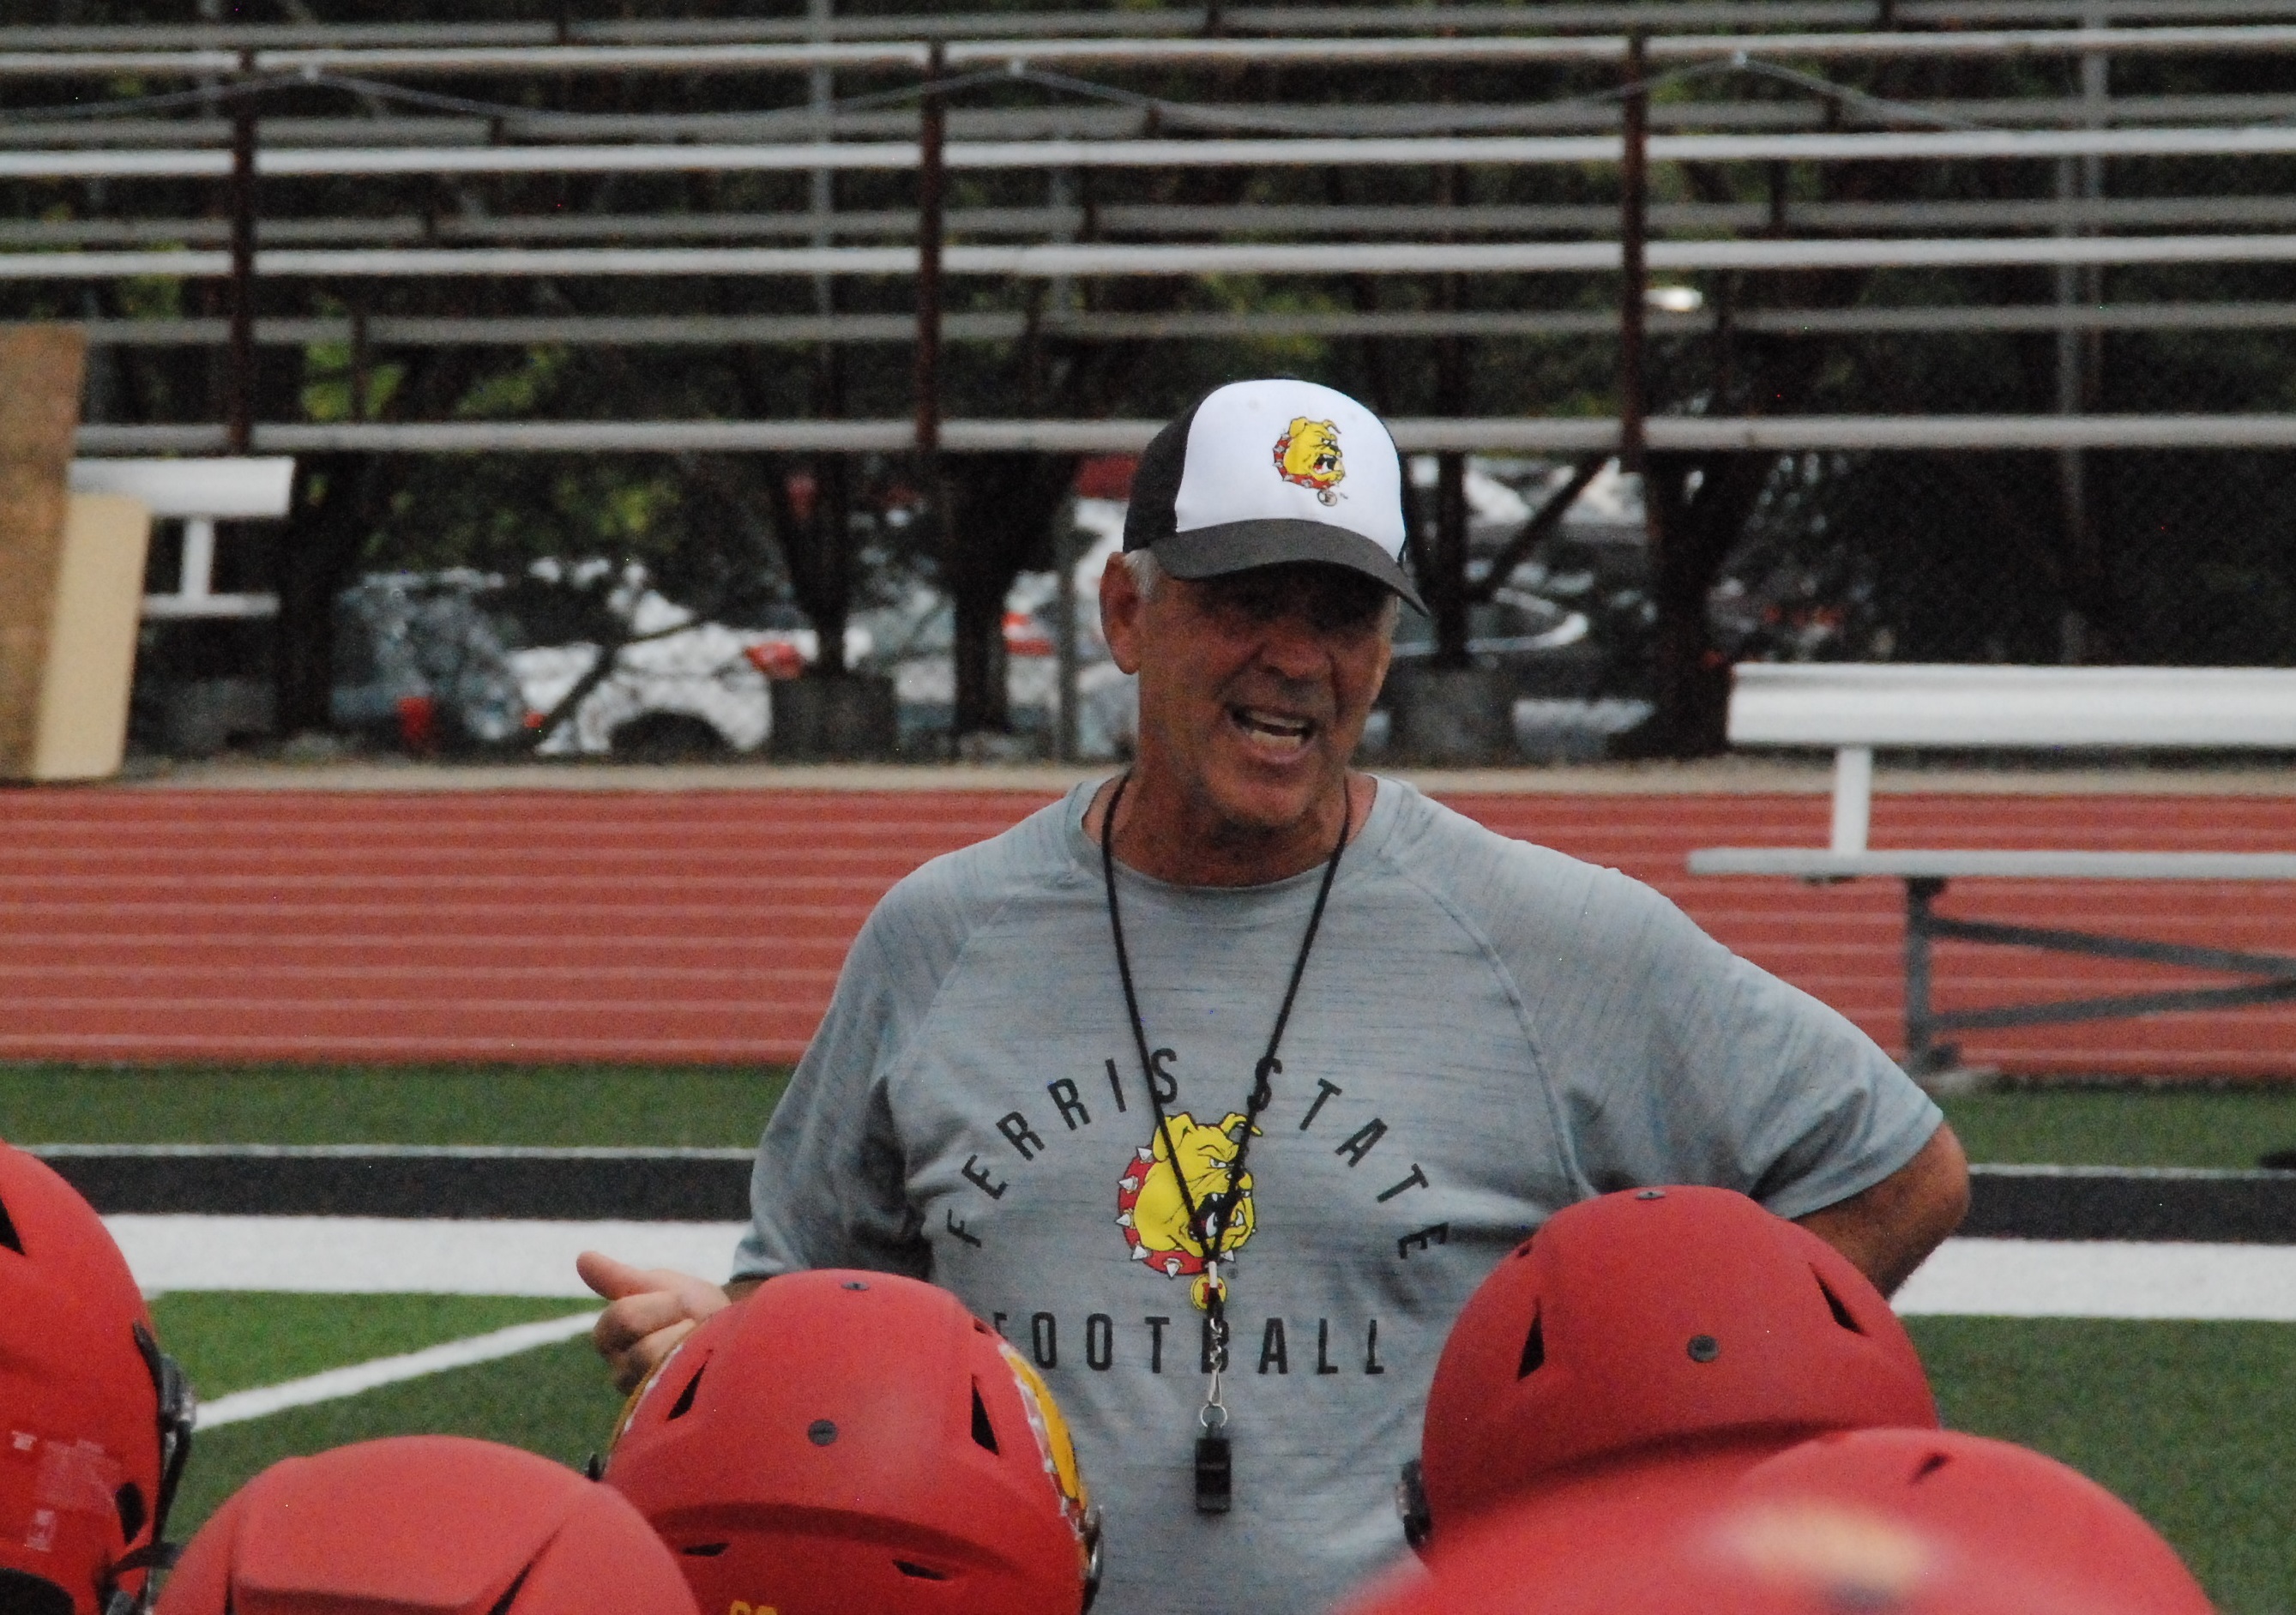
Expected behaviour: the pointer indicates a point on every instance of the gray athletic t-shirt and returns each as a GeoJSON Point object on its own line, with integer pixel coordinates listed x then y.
{"type": "Point", "coordinates": [1488, 1031]}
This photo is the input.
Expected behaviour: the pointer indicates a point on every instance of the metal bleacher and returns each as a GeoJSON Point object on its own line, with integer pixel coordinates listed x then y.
{"type": "Point", "coordinates": [1058, 115]}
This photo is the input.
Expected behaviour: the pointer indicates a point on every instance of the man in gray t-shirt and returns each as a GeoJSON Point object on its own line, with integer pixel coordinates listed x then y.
{"type": "Point", "coordinates": [1483, 1031]}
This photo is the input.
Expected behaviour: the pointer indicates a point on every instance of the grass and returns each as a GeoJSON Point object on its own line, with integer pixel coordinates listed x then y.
{"type": "Point", "coordinates": [675, 1105]}
{"type": "Point", "coordinates": [2128, 1127]}
{"type": "Point", "coordinates": [555, 1401]}
{"type": "Point", "coordinates": [691, 1105]}
{"type": "Point", "coordinates": [233, 1341]}
{"type": "Point", "coordinates": [2184, 1420]}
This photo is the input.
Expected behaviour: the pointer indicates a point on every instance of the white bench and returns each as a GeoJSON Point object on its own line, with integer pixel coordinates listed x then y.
{"type": "Point", "coordinates": [197, 493]}
{"type": "Point", "coordinates": [1853, 708]}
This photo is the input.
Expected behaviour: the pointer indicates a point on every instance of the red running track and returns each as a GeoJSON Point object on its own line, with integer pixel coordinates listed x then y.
{"type": "Point", "coordinates": [708, 928]}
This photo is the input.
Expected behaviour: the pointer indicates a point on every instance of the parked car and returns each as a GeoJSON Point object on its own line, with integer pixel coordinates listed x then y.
{"type": "Point", "coordinates": [1543, 648]}
{"type": "Point", "coordinates": [914, 641]}
{"type": "Point", "coordinates": [466, 659]}
{"type": "Point", "coordinates": [418, 663]}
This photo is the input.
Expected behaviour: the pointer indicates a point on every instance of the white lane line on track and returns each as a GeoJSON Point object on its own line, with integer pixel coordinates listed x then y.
{"type": "Point", "coordinates": [2031, 1278]}
{"type": "Point", "coordinates": [403, 1256]}
{"type": "Point", "coordinates": [336, 1383]}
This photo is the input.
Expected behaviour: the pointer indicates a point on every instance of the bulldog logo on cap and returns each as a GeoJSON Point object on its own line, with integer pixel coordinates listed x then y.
{"type": "Point", "coordinates": [1308, 453]}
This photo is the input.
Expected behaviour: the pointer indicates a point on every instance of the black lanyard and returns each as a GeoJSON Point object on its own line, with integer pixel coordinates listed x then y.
{"type": "Point", "coordinates": [1211, 1221]}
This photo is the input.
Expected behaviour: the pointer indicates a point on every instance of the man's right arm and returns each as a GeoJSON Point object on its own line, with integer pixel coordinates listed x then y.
{"type": "Point", "coordinates": [828, 1189]}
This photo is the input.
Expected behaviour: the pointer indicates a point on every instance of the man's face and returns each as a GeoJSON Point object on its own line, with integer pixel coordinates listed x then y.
{"type": "Point", "coordinates": [1253, 686]}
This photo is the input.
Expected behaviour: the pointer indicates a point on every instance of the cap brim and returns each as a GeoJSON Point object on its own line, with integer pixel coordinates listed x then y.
{"type": "Point", "coordinates": [1239, 547]}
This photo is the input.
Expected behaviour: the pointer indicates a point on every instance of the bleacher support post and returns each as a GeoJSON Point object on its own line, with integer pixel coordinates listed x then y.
{"type": "Point", "coordinates": [1923, 1053]}
{"type": "Point", "coordinates": [240, 405]}
{"type": "Point", "coordinates": [1853, 797]}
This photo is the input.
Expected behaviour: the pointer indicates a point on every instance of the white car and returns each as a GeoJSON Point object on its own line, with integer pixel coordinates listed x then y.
{"type": "Point", "coordinates": [680, 684]}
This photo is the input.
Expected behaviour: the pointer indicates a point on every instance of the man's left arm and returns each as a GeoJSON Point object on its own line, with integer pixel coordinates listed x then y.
{"type": "Point", "coordinates": [1887, 1230]}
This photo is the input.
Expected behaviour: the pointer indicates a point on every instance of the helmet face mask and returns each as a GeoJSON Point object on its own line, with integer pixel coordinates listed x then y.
{"type": "Point", "coordinates": [100, 1418]}
{"type": "Point", "coordinates": [178, 1414]}
{"type": "Point", "coordinates": [859, 1443]}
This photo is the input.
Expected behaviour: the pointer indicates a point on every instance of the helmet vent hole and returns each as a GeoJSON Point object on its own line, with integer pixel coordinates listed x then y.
{"type": "Point", "coordinates": [1929, 1466]}
{"type": "Point", "coordinates": [703, 1550]}
{"type": "Point", "coordinates": [984, 1433]}
{"type": "Point", "coordinates": [1534, 1349]}
{"type": "Point", "coordinates": [8, 1234]}
{"type": "Point", "coordinates": [129, 1500]}
{"type": "Point", "coordinates": [919, 1571]}
{"type": "Point", "coordinates": [1834, 1305]}
{"type": "Point", "coordinates": [685, 1403]}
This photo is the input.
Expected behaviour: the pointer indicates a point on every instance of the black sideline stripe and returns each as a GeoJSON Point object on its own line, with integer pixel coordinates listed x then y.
{"type": "Point", "coordinates": [587, 1187]}
{"type": "Point", "coordinates": [2008, 1202]}
{"type": "Point", "coordinates": [2099, 1202]}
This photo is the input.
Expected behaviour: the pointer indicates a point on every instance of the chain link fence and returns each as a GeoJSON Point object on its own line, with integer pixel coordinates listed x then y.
{"type": "Point", "coordinates": [2179, 558]}
{"type": "Point", "coordinates": [2098, 556]}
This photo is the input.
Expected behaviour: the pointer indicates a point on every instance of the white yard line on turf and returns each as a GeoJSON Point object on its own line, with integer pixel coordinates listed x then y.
{"type": "Point", "coordinates": [403, 1256]}
{"type": "Point", "coordinates": [337, 1384]}
{"type": "Point", "coordinates": [2031, 1278]}
{"type": "Point", "coordinates": [374, 1255]}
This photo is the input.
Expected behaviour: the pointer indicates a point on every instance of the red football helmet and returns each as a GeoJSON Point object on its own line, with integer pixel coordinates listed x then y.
{"type": "Point", "coordinates": [1648, 1322]}
{"type": "Point", "coordinates": [95, 1420]}
{"type": "Point", "coordinates": [845, 1443]}
{"type": "Point", "coordinates": [1603, 1551]}
{"type": "Point", "coordinates": [429, 1525]}
{"type": "Point", "coordinates": [2059, 1523]}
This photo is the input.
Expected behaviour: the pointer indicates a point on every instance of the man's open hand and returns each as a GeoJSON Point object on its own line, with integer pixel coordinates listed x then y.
{"type": "Point", "coordinates": [653, 1309]}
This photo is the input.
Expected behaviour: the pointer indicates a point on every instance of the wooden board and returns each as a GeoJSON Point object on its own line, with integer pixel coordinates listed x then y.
{"type": "Point", "coordinates": [81, 732]}
{"type": "Point", "coordinates": [41, 369]}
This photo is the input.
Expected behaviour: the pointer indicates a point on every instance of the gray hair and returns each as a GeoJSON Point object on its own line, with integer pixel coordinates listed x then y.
{"type": "Point", "coordinates": [1148, 573]}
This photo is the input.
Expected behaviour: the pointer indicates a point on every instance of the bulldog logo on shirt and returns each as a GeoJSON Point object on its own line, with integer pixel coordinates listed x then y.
{"type": "Point", "coordinates": [1308, 453]}
{"type": "Point", "coordinates": [1154, 1216]}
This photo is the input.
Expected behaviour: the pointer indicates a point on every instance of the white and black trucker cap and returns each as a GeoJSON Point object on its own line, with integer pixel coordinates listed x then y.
{"type": "Point", "coordinates": [1261, 472]}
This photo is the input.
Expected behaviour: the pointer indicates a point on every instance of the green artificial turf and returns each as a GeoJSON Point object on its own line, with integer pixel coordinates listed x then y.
{"type": "Point", "coordinates": [2187, 1422]}
{"type": "Point", "coordinates": [229, 1341]}
{"type": "Point", "coordinates": [555, 1401]}
{"type": "Point", "coordinates": [2126, 1127]}
{"type": "Point", "coordinates": [673, 1105]}
{"type": "Point", "coordinates": [687, 1105]}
